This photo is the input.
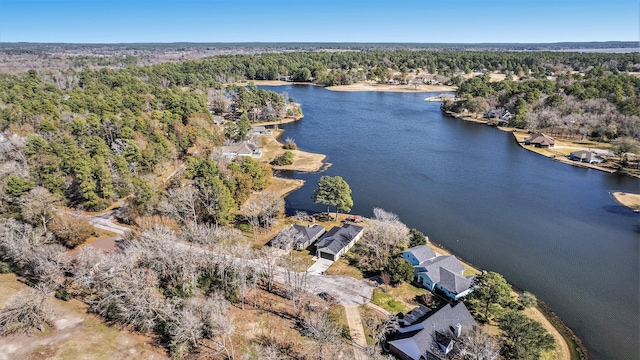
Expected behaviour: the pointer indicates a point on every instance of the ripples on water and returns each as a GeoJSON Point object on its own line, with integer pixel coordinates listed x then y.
{"type": "Point", "coordinates": [550, 228]}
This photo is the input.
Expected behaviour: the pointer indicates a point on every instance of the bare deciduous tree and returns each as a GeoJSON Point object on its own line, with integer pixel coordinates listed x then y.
{"type": "Point", "coordinates": [180, 204]}
{"type": "Point", "coordinates": [320, 327]}
{"type": "Point", "coordinates": [71, 230]}
{"type": "Point", "coordinates": [477, 344]}
{"type": "Point", "coordinates": [383, 235]}
{"type": "Point", "coordinates": [27, 312]}
{"type": "Point", "coordinates": [39, 206]}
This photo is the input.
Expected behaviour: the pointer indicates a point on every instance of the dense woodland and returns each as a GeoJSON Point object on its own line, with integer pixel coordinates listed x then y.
{"type": "Point", "coordinates": [101, 131]}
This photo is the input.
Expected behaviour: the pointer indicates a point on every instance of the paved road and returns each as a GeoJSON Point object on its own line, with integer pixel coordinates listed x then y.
{"type": "Point", "coordinates": [105, 222]}
{"type": "Point", "coordinates": [352, 312]}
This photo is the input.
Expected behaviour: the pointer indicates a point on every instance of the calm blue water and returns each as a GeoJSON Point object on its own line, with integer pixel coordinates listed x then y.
{"type": "Point", "coordinates": [549, 228]}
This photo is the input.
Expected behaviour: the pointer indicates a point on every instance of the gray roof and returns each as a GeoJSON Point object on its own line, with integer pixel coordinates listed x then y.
{"type": "Point", "coordinates": [307, 233]}
{"type": "Point", "coordinates": [420, 337]}
{"type": "Point", "coordinates": [585, 155]}
{"type": "Point", "coordinates": [338, 237]}
{"type": "Point", "coordinates": [422, 252]}
{"type": "Point", "coordinates": [243, 148]}
{"type": "Point", "coordinates": [453, 281]}
{"type": "Point", "coordinates": [433, 266]}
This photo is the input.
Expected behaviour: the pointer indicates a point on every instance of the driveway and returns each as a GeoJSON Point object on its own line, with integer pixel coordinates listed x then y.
{"type": "Point", "coordinates": [319, 267]}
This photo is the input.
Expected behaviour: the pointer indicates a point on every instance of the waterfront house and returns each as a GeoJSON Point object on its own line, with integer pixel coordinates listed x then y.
{"type": "Point", "coordinates": [586, 156]}
{"type": "Point", "coordinates": [540, 140]}
{"type": "Point", "coordinates": [243, 148]}
{"type": "Point", "coordinates": [338, 241]}
{"type": "Point", "coordinates": [430, 334]}
{"type": "Point", "coordinates": [306, 235]}
{"type": "Point", "coordinates": [438, 273]}
{"type": "Point", "coordinates": [260, 130]}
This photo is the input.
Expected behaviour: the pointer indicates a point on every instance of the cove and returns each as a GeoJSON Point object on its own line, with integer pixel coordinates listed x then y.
{"type": "Point", "coordinates": [549, 228]}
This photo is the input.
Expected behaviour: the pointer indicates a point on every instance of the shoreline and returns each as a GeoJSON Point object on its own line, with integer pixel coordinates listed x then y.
{"type": "Point", "coordinates": [548, 153]}
{"type": "Point", "coordinates": [304, 161]}
{"type": "Point", "coordinates": [285, 120]}
{"type": "Point", "coordinates": [372, 86]}
{"type": "Point", "coordinates": [629, 200]}
{"type": "Point", "coordinates": [562, 333]}
{"type": "Point", "coordinates": [564, 336]}
{"type": "Point", "coordinates": [359, 86]}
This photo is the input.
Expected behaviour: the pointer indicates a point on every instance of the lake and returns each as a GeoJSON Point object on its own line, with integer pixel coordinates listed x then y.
{"type": "Point", "coordinates": [549, 228]}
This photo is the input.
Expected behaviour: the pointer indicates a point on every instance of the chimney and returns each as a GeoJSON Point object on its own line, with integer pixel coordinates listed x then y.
{"type": "Point", "coordinates": [457, 329]}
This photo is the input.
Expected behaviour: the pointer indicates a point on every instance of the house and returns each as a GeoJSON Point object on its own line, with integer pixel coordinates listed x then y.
{"type": "Point", "coordinates": [539, 140]}
{"type": "Point", "coordinates": [298, 236]}
{"type": "Point", "coordinates": [307, 235]}
{"type": "Point", "coordinates": [338, 241]}
{"type": "Point", "coordinates": [418, 254]}
{"type": "Point", "coordinates": [426, 334]}
{"type": "Point", "coordinates": [492, 114]}
{"type": "Point", "coordinates": [438, 273]}
{"type": "Point", "coordinates": [586, 156]}
{"type": "Point", "coordinates": [243, 148]}
{"type": "Point", "coordinates": [260, 130]}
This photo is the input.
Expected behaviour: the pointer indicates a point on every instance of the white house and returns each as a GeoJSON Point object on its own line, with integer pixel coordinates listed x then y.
{"type": "Point", "coordinates": [243, 148]}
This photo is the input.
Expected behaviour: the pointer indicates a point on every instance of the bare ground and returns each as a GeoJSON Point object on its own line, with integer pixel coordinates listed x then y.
{"type": "Point", "coordinates": [372, 86]}
{"type": "Point", "coordinates": [76, 334]}
{"type": "Point", "coordinates": [562, 349]}
{"type": "Point", "coordinates": [632, 201]}
{"type": "Point", "coordinates": [302, 161]}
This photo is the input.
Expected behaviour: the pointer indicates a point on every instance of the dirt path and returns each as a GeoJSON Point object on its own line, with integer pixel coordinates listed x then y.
{"type": "Point", "coordinates": [357, 331]}
{"type": "Point", "coordinates": [562, 349]}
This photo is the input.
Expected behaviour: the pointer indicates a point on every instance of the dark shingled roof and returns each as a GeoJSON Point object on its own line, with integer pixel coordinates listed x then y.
{"type": "Point", "coordinates": [337, 238]}
{"type": "Point", "coordinates": [434, 265]}
{"type": "Point", "coordinates": [307, 233]}
{"type": "Point", "coordinates": [453, 281]}
{"type": "Point", "coordinates": [422, 252]}
{"type": "Point", "coordinates": [420, 338]}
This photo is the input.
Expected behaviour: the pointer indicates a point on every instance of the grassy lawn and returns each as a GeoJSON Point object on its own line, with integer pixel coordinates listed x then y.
{"type": "Point", "coordinates": [342, 267]}
{"type": "Point", "coordinates": [397, 299]}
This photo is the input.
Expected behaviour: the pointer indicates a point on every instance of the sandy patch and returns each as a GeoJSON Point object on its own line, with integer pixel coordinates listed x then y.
{"type": "Point", "coordinates": [284, 186]}
{"type": "Point", "coordinates": [302, 161]}
{"type": "Point", "coordinates": [372, 86]}
{"type": "Point", "coordinates": [632, 201]}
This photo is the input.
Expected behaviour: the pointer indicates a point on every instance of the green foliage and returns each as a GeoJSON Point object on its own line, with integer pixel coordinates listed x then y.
{"type": "Point", "coordinates": [524, 338]}
{"type": "Point", "coordinates": [491, 289]}
{"type": "Point", "coordinates": [528, 300]}
{"type": "Point", "coordinates": [399, 270]}
{"type": "Point", "coordinates": [624, 145]}
{"type": "Point", "coordinates": [285, 159]}
{"type": "Point", "coordinates": [333, 191]}
{"type": "Point", "coordinates": [417, 238]}
{"type": "Point", "coordinates": [16, 186]}
{"type": "Point", "coordinates": [290, 145]}
{"type": "Point", "coordinates": [5, 267]}
{"type": "Point", "coordinates": [62, 294]}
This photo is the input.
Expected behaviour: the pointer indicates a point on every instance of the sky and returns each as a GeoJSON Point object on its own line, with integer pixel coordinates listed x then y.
{"type": "Point", "coordinates": [407, 21]}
